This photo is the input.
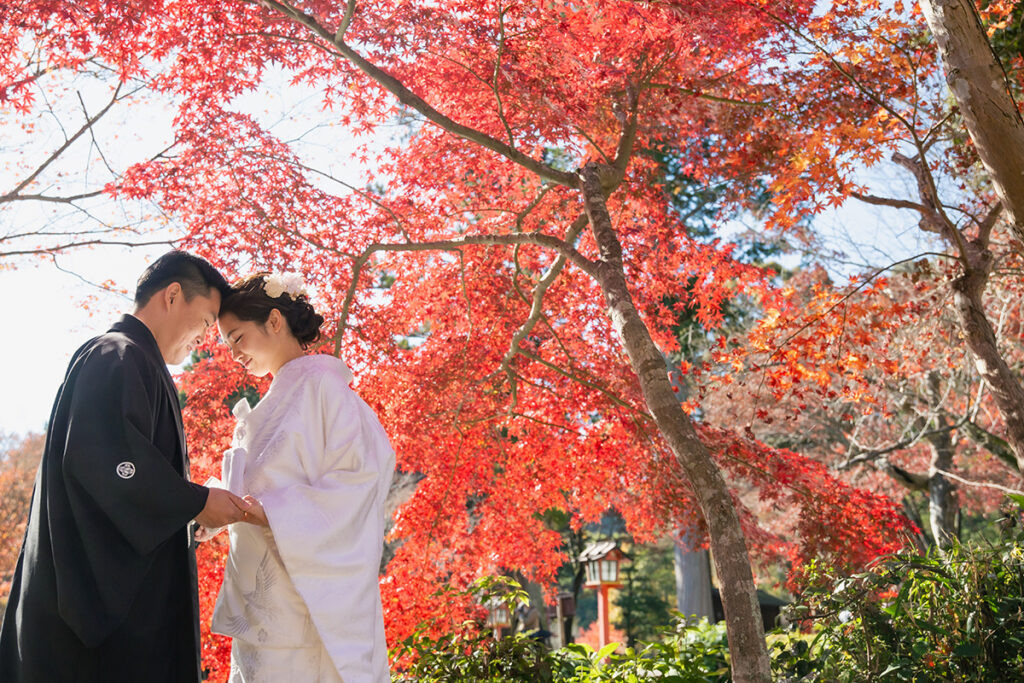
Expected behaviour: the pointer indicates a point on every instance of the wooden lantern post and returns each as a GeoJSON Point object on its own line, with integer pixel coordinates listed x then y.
{"type": "Point", "coordinates": [601, 561]}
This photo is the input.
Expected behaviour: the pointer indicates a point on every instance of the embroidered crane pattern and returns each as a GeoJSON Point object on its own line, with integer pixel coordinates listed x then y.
{"type": "Point", "coordinates": [257, 601]}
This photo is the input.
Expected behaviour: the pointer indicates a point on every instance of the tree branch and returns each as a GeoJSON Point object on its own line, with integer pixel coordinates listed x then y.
{"type": "Point", "coordinates": [982, 484]}
{"type": "Point", "coordinates": [538, 239]}
{"type": "Point", "coordinates": [995, 445]}
{"type": "Point", "coordinates": [887, 201]}
{"type": "Point", "coordinates": [350, 10]}
{"type": "Point", "coordinates": [89, 122]}
{"type": "Point", "coordinates": [76, 245]}
{"type": "Point", "coordinates": [414, 101]}
{"type": "Point", "coordinates": [537, 305]}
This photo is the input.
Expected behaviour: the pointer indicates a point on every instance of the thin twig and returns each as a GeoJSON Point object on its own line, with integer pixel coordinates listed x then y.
{"type": "Point", "coordinates": [980, 484]}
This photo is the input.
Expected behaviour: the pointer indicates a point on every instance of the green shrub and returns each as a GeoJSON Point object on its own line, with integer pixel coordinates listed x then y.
{"type": "Point", "coordinates": [957, 615]}
{"type": "Point", "coordinates": [471, 653]}
{"type": "Point", "coordinates": [688, 654]}
{"type": "Point", "coordinates": [694, 653]}
{"type": "Point", "coordinates": [954, 615]}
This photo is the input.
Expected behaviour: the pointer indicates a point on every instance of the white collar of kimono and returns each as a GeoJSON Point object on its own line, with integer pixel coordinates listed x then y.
{"type": "Point", "coordinates": [318, 363]}
{"type": "Point", "coordinates": [241, 408]}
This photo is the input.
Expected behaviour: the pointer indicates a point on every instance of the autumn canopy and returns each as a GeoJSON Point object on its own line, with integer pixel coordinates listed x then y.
{"type": "Point", "coordinates": [523, 279]}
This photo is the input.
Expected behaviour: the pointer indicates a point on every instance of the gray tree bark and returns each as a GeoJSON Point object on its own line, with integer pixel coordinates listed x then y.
{"type": "Point", "coordinates": [693, 579]}
{"type": "Point", "coordinates": [978, 83]}
{"type": "Point", "coordinates": [1003, 383]}
{"type": "Point", "coordinates": [943, 504]}
{"type": "Point", "coordinates": [745, 629]}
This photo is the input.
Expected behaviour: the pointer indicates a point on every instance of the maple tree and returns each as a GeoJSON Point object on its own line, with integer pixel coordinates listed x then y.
{"type": "Point", "coordinates": [923, 135]}
{"type": "Point", "coordinates": [515, 243]}
{"type": "Point", "coordinates": [64, 107]}
{"type": "Point", "coordinates": [980, 85]}
{"type": "Point", "coordinates": [877, 383]}
{"type": "Point", "coordinates": [888, 363]}
{"type": "Point", "coordinates": [19, 459]}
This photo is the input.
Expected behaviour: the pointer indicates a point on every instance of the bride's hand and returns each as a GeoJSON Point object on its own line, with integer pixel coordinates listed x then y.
{"type": "Point", "coordinates": [255, 514]}
{"type": "Point", "coordinates": [203, 534]}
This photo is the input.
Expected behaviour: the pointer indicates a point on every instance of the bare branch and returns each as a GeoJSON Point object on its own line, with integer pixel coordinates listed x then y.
{"type": "Point", "coordinates": [981, 484]}
{"type": "Point", "coordinates": [497, 72]}
{"type": "Point", "coordinates": [350, 10]}
{"type": "Point", "coordinates": [986, 225]}
{"type": "Point", "coordinates": [597, 147]}
{"type": "Point", "coordinates": [708, 96]}
{"type": "Point", "coordinates": [870, 455]}
{"type": "Point", "coordinates": [890, 202]}
{"type": "Point", "coordinates": [60, 150]}
{"type": "Point", "coordinates": [47, 198]}
{"type": "Point", "coordinates": [76, 245]}
{"type": "Point", "coordinates": [624, 151]}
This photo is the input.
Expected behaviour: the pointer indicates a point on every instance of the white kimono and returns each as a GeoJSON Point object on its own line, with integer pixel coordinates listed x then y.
{"type": "Point", "coordinates": [301, 599]}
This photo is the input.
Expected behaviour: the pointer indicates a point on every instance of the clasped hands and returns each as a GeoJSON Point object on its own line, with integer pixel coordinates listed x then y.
{"type": "Point", "coordinates": [224, 508]}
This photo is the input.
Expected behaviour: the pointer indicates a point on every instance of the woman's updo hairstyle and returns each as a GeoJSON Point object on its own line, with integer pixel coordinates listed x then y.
{"type": "Point", "coordinates": [250, 300]}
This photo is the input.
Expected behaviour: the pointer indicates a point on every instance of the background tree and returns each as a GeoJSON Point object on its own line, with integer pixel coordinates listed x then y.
{"type": "Point", "coordinates": [979, 83]}
{"type": "Point", "coordinates": [957, 202]}
{"type": "Point", "coordinates": [68, 114]}
{"type": "Point", "coordinates": [516, 236]}
{"type": "Point", "coordinates": [877, 383]}
{"type": "Point", "coordinates": [19, 460]}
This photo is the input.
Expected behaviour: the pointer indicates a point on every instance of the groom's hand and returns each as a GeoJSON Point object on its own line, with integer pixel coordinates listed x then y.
{"type": "Point", "coordinates": [203, 534]}
{"type": "Point", "coordinates": [222, 508]}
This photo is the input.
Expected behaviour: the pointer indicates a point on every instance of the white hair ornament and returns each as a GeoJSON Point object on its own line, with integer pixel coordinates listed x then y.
{"type": "Point", "coordinates": [277, 284]}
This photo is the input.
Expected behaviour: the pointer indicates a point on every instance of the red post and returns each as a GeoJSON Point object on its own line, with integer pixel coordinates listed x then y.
{"type": "Point", "coordinates": [602, 614]}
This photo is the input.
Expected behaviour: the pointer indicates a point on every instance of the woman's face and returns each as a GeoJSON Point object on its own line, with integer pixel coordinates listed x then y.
{"type": "Point", "coordinates": [254, 345]}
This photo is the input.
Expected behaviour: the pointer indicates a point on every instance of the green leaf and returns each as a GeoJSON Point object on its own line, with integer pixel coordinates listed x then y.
{"type": "Point", "coordinates": [966, 650]}
{"type": "Point", "coordinates": [606, 650]}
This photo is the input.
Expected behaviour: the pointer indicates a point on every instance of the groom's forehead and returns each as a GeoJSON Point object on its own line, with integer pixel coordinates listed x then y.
{"type": "Point", "coordinates": [210, 302]}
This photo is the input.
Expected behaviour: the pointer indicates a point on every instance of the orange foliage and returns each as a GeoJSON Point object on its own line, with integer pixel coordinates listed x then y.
{"type": "Point", "coordinates": [509, 407]}
{"type": "Point", "coordinates": [19, 460]}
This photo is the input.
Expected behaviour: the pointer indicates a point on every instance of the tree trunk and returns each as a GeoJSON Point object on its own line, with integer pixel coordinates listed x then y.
{"type": "Point", "coordinates": [943, 505]}
{"type": "Point", "coordinates": [750, 661]}
{"type": "Point", "coordinates": [979, 84]}
{"type": "Point", "coordinates": [693, 579]}
{"type": "Point", "coordinates": [981, 340]}
{"type": "Point", "coordinates": [909, 509]}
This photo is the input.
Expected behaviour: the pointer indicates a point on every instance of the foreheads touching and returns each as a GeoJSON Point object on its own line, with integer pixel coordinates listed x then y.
{"type": "Point", "coordinates": [194, 276]}
{"type": "Point", "coordinates": [178, 297]}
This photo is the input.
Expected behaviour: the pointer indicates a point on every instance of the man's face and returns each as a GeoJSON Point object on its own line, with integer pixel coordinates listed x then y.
{"type": "Point", "coordinates": [188, 323]}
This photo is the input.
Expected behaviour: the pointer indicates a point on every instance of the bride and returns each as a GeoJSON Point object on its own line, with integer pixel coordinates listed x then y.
{"type": "Point", "coordinates": [300, 597]}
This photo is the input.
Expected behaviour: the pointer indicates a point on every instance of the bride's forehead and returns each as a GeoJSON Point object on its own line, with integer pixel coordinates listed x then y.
{"type": "Point", "coordinates": [227, 323]}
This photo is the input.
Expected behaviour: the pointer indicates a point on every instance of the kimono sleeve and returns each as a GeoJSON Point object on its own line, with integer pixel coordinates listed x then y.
{"type": "Point", "coordinates": [116, 476]}
{"type": "Point", "coordinates": [330, 532]}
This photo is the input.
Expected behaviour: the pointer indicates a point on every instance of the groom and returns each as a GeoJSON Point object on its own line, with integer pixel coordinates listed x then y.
{"type": "Point", "coordinates": [105, 588]}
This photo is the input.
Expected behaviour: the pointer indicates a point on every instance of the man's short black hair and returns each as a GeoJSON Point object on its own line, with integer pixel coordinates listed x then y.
{"type": "Point", "coordinates": [195, 275]}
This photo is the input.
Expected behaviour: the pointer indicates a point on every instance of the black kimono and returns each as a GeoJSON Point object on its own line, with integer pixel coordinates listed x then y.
{"type": "Point", "coordinates": [105, 588]}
